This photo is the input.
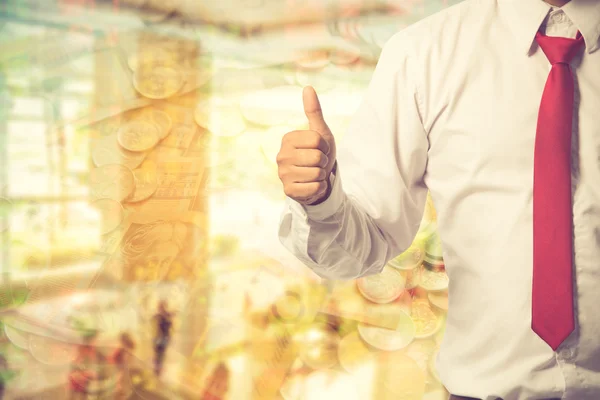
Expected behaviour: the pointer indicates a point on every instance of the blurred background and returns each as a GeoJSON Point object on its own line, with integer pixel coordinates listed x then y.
{"type": "Point", "coordinates": [139, 206]}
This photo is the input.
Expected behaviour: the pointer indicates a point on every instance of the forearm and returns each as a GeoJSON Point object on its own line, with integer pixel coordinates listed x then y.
{"type": "Point", "coordinates": [338, 240]}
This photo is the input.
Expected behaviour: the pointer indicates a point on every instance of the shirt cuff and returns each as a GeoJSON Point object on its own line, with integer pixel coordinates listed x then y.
{"type": "Point", "coordinates": [332, 204]}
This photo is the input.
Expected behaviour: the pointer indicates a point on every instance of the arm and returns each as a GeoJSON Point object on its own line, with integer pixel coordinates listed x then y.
{"type": "Point", "coordinates": [371, 213]}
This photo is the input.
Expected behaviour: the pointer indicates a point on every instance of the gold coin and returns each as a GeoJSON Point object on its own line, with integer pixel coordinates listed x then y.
{"type": "Point", "coordinates": [157, 82]}
{"type": "Point", "coordinates": [106, 127]}
{"type": "Point", "coordinates": [113, 181]}
{"type": "Point", "coordinates": [411, 276]}
{"type": "Point", "coordinates": [51, 352]}
{"type": "Point", "coordinates": [382, 288]}
{"type": "Point", "coordinates": [111, 214]}
{"type": "Point", "coordinates": [425, 320]}
{"type": "Point", "coordinates": [155, 56]}
{"type": "Point", "coordinates": [146, 182]}
{"type": "Point", "coordinates": [439, 299]}
{"type": "Point", "coordinates": [161, 119]}
{"type": "Point", "coordinates": [389, 339]}
{"type": "Point", "coordinates": [17, 337]}
{"type": "Point", "coordinates": [409, 259]}
{"type": "Point", "coordinates": [433, 280]}
{"type": "Point", "coordinates": [353, 354]}
{"type": "Point", "coordinates": [106, 151]}
{"type": "Point", "coordinates": [181, 137]}
{"type": "Point", "coordinates": [138, 135]}
{"type": "Point", "coordinates": [288, 307]}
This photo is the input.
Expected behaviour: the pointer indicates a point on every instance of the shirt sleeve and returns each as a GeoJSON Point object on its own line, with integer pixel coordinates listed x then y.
{"type": "Point", "coordinates": [374, 210]}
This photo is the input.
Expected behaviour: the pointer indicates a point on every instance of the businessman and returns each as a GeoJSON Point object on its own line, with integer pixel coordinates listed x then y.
{"type": "Point", "coordinates": [494, 107]}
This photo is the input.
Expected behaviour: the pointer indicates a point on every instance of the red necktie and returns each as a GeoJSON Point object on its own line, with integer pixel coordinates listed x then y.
{"type": "Point", "coordinates": [552, 296]}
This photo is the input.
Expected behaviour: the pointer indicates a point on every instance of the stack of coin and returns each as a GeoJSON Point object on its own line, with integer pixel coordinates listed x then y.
{"type": "Point", "coordinates": [434, 259]}
{"type": "Point", "coordinates": [432, 273]}
{"type": "Point", "coordinates": [119, 148]}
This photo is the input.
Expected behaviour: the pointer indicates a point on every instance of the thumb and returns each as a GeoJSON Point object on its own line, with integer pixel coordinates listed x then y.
{"type": "Point", "coordinates": [312, 109]}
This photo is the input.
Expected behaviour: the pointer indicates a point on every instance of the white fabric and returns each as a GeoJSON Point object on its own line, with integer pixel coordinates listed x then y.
{"type": "Point", "coordinates": [452, 107]}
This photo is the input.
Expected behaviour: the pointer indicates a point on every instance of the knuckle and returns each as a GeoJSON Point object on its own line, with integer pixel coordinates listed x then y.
{"type": "Point", "coordinates": [322, 174]}
{"type": "Point", "coordinates": [323, 160]}
{"type": "Point", "coordinates": [317, 157]}
{"type": "Point", "coordinates": [322, 186]}
{"type": "Point", "coordinates": [280, 157]}
{"type": "Point", "coordinates": [317, 174]}
{"type": "Point", "coordinates": [288, 190]}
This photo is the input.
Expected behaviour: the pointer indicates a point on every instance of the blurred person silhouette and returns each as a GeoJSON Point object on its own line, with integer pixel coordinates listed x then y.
{"type": "Point", "coordinates": [218, 383]}
{"type": "Point", "coordinates": [121, 359]}
{"type": "Point", "coordinates": [84, 367]}
{"type": "Point", "coordinates": [163, 324]}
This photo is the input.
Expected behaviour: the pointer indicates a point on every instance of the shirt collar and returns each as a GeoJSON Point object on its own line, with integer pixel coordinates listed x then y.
{"type": "Point", "coordinates": [526, 17]}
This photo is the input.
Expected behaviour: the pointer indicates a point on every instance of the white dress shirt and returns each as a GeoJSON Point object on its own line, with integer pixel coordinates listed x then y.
{"type": "Point", "coordinates": [452, 107]}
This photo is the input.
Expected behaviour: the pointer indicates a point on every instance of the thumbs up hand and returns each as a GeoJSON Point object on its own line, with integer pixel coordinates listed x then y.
{"type": "Point", "coordinates": [307, 157]}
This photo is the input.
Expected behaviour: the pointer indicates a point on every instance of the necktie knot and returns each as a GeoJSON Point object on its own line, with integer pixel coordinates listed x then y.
{"type": "Point", "coordinates": [559, 50]}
